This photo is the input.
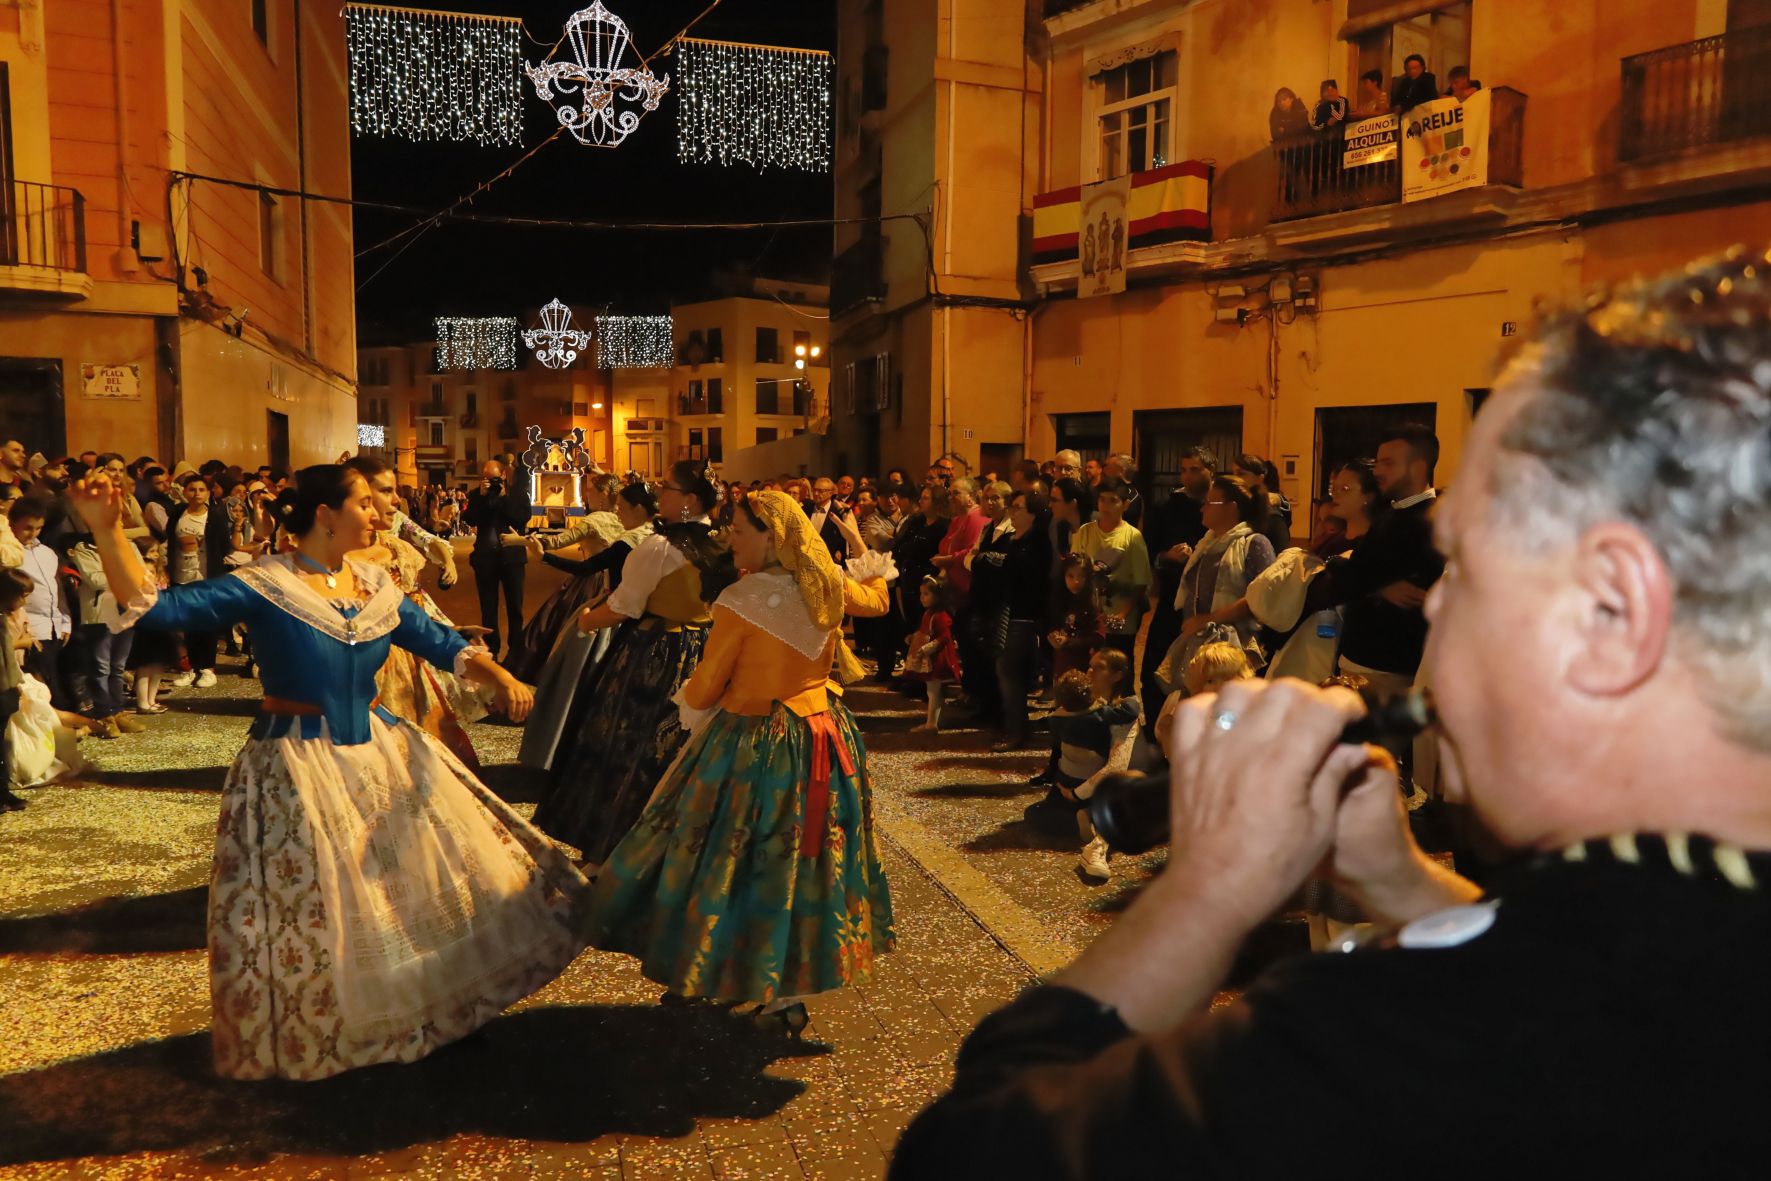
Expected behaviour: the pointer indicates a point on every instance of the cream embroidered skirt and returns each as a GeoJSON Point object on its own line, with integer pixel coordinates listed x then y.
{"type": "Point", "coordinates": [371, 903]}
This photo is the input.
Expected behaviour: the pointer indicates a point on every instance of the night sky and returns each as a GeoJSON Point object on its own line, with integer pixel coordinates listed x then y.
{"type": "Point", "coordinates": [464, 269]}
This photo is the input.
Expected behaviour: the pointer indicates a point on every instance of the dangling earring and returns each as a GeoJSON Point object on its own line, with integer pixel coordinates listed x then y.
{"type": "Point", "coordinates": [685, 513]}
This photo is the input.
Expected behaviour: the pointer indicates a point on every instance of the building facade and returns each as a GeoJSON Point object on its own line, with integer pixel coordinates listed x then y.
{"type": "Point", "coordinates": [1317, 307]}
{"type": "Point", "coordinates": [142, 310]}
{"type": "Point", "coordinates": [753, 370]}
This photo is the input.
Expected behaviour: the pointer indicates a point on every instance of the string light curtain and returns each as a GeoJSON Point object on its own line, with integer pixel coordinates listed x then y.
{"type": "Point", "coordinates": [430, 76]}
{"type": "Point", "coordinates": [634, 342]}
{"type": "Point", "coordinates": [753, 104]}
{"type": "Point", "coordinates": [371, 434]}
{"type": "Point", "coordinates": [466, 343]}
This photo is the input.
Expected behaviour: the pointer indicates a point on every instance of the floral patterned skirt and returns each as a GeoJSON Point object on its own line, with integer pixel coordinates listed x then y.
{"type": "Point", "coordinates": [620, 735]}
{"type": "Point", "coordinates": [716, 889]}
{"type": "Point", "coordinates": [371, 903]}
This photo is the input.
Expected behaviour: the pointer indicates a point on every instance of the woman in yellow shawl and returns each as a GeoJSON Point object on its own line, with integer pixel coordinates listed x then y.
{"type": "Point", "coordinates": [753, 873]}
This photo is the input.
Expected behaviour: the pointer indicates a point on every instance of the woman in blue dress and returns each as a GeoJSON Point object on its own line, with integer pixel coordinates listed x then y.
{"type": "Point", "coordinates": [370, 899]}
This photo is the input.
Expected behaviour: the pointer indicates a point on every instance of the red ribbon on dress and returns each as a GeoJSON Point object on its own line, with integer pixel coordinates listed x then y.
{"type": "Point", "coordinates": [824, 737]}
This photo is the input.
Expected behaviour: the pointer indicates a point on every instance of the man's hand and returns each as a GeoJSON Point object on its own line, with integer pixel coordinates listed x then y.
{"type": "Point", "coordinates": [1405, 595]}
{"type": "Point", "coordinates": [1256, 786]}
{"type": "Point", "coordinates": [1178, 553]}
{"type": "Point", "coordinates": [1193, 625]}
{"type": "Point", "coordinates": [485, 485]}
{"type": "Point", "coordinates": [1375, 855]}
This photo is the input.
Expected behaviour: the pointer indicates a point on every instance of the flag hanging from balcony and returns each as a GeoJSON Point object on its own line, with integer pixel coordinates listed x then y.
{"type": "Point", "coordinates": [1171, 204]}
{"type": "Point", "coordinates": [753, 104]}
{"type": "Point", "coordinates": [1104, 237]}
{"type": "Point", "coordinates": [1445, 146]}
{"type": "Point", "coordinates": [429, 76]}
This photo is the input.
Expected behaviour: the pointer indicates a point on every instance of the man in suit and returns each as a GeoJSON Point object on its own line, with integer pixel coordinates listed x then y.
{"type": "Point", "coordinates": [494, 509]}
{"type": "Point", "coordinates": [822, 509]}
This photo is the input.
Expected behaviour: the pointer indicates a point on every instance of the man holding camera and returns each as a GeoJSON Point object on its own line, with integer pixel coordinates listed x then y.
{"type": "Point", "coordinates": [1601, 634]}
{"type": "Point", "coordinates": [499, 514]}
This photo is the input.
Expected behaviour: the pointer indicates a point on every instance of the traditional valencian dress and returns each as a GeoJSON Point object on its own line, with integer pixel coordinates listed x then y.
{"type": "Point", "coordinates": [370, 900]}
{"type": "Point", "coordinates": [436, 700]}
{"type": "Point", "coordinates": [546, 627]}
{"type": "Point", "coordinates": [573, 653]}
{"type": "Point", "coordinates": [753, 873]}
{"type": "Point", "coordinates": [622, 729]}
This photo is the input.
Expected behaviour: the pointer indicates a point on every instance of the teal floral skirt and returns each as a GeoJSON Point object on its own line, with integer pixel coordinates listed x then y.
{"type": "Point", "coordinates": [742, 881]}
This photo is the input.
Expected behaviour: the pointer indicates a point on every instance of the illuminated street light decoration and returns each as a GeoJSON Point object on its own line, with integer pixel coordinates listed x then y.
{"type": "Point", "coordinates": [371, 434]}
{"type": "Point", "coordinates": [599, 41]}
{"type": "Point", "coordinates": [466, 343]}
{"type": "Point", "coordinates": [429, 76]}
{"type": "Point", "coordinates": [556, 342]}
{"type": "Point", "coordinates": [753, 104]}
{"type": "Point", "coordinates": [634, 342]}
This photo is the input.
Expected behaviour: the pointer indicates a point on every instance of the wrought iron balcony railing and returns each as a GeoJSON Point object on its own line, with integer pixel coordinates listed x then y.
{"type": "Point", "coordinates": [1710, 91]}
{"type": "Point", "coordinates": [1309, 177]}
{"type": "Point", "coordinates": [44, 226]}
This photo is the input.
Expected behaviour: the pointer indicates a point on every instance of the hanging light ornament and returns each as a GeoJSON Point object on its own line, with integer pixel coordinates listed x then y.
{"type": "Point", "coordinates": [753, 104]}
{"type": "Point", "coordinates": [371, 434]}
{"type": "Point", "coordinates": [430, 76]}
{"type": "Point", "coordinates": [556, 342]}
{"type": "Point", "coordinates": [634, 342]}
{"type": "Point", "coordinates": [599, 41]}
{"type": "Point", "coordinates": [466, 343]}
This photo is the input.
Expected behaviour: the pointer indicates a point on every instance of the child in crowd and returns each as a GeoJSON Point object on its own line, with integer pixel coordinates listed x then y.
{"type": "Point", "coordinates": [1093, 728]}
{"type": "Point", "coordinates": [1213, 666]}
{"type": "Point", "coordinates": [1078, 625]}
{"type": "Point", "coordinates": [15, 588]}
{"type": "Point", "coordinates": [933, 657]}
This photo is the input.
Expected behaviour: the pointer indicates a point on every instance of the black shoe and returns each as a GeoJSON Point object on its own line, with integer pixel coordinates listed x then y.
{"type": "Point", "coordinates": [10, 802]}
{"type": "Point", "coordinates": [1052, 805]}
{"type": "Point", "coordinates": [791, 1021]}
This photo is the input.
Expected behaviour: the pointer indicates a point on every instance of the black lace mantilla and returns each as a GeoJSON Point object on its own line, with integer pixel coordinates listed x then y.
{"type": "Point", "coordinates": [706, 549]}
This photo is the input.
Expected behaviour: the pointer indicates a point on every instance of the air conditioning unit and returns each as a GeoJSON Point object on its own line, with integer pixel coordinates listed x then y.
{"type": "Point", "coordinates": [646, 426]}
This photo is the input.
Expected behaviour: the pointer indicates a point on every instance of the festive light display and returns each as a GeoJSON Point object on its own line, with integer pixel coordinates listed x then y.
{"type": "Point", "coordinates": [556, 342]}
{"type": "Point", "coordinates": [753, 104]}
{"type": "Point", "coordinates": [434, 75]}
{"type": "Point", "coordinates": [371, 434]}
{"type": "Point", "coordinates": [599, 41]}
{"type": "Point", "coordinates": [634, 342]}
{"type": "Point", "coordinates": [476, 342]}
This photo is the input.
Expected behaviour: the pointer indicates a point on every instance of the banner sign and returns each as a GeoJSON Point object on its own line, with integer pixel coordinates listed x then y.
{"type": "Point", "coordinates": [1104, 238]}
{"type": "Point", "coordinates": [1445, 147]}
{"type": "Point", "coordinates": [1370, 141]}
{"type": "Point", "coordinates": [111, 381]}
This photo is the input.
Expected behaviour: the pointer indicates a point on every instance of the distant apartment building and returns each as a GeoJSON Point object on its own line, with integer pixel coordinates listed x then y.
{"type": "Point", "coordinates": [141, 312]}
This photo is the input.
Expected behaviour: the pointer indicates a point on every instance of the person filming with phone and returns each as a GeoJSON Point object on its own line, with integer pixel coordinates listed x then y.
{"type": "Point", "coordinates": [1601, 638]}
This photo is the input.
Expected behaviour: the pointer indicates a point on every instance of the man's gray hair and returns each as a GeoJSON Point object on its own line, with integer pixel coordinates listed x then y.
{"type": "Point", "coordinates": [1068, 458]}
{"type": "Point", "coordinates": [1651, 406]}
{"type": "Point", "coordinates": [1128, 467]}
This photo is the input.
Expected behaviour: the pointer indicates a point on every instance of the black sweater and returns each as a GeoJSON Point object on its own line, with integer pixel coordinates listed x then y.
{"type": "Point", "coordinates": [1374, 633]}
{"type": "Point", "coordinates": [1605, 1025]}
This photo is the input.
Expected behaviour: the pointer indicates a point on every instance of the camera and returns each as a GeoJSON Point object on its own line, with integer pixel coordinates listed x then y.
{"type": "Point", "coordinates": [495, 485]}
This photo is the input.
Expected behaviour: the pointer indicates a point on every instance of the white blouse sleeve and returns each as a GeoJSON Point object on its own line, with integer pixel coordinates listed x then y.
{"type": "Point", "coordinates": [646, 567]}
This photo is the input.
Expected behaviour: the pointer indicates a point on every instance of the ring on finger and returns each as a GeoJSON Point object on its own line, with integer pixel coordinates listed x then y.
{"type": "Point", "coordinates": [1225, 721]}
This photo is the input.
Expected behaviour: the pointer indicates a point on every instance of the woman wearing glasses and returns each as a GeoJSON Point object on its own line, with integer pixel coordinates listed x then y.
{"type": "Point", "coordinates": [622, 729]}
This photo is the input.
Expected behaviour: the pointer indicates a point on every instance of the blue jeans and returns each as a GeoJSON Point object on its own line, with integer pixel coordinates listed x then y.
{"type": "Point", "coordinates": [102, 672]}
{"type": "Point", "coordinates": [1016, 667]}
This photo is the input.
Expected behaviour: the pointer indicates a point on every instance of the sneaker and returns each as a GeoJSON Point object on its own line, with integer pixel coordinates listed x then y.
{"type": "Point", "coordinates": [128, 725]}
{"type": "Point", "coordinates": [1094, 860]}
{"type": "Point", "coordinates": [206, 679]}
{"type": "Point", "coordinates": [183, 680]}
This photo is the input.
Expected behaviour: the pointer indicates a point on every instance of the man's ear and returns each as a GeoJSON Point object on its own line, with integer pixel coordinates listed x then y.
{"type": "Point", "coordinates": [1626, 610]}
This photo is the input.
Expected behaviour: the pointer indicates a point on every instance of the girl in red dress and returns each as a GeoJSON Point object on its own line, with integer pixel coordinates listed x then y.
{"type": "Point", "coordinates": [933, 658]}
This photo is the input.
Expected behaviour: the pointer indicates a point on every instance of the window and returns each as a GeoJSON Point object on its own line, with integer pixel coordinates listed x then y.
{"type": "Point", "coordinates": [695, 451]}
{"type": "Point", "coordinates": [694, 350]}
{"type": "Point", "coordinates": [1135, 107]}
{"type": "Point", "coordinates": [716, 349]}
{"type": "Point", "coordinates": [766, 434]}
{"type": "Point", "coordinates": [436, 393]}
{"type": "Point", "coordinates": [694, 394]}
{"type": "Point", "coordinates": [473, 403]}
{"type": "Point", "coordinates": [581, 410]}
{"type": "Point", "coordinates": [715, 396]}
{"type": "Point", "coordinates": [765, 397]}
{"type": "Point", "coordinates": [436, 433]}
{"type": "Point", "coordinates": [270, 223]}
{"type": "Point", "coordinates": [768, 346]}
{"type": "Point", "coordinates": [471, 449]}
{"type": "Point", "coordinates": [715, 448]}
{"type": "Point", "coordinates": [261, 21]}
{"type": "Point", "coordinates": [1442, 37]}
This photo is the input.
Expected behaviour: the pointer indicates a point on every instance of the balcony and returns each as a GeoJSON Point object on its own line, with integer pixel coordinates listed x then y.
{"type": "Point", "coordinates": [43, 239]}
{"type": "Point", "coordinates": [1706, 92]}
{"type": "Point", "coordinates": [858, 275]}
{"type": "Point", "coordinates": [1310, 180]}
{"type": "Point", "coordinates": [686, 405]}
{"type": "Point", "coordinates": [1054, 7]}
